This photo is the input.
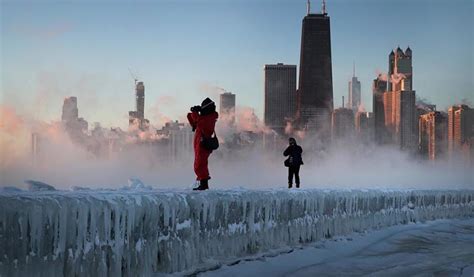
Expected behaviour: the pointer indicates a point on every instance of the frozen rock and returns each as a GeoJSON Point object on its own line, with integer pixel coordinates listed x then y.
{"type": "Point", "coordinates": [137, 184]}
{"type": "Point", "coordinates": [38, 186]}
{"type": "Point", "coordinates": [10, 189]}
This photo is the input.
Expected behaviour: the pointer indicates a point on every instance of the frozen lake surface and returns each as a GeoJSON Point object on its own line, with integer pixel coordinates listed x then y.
{"type": "Point", "coordinates": [436, 248]}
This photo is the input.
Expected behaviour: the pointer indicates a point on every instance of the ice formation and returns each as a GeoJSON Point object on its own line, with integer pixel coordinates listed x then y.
{"type": "Point", "coordinates": [142, 232]}
{"type": "Point", "coordinates": [38, 186]}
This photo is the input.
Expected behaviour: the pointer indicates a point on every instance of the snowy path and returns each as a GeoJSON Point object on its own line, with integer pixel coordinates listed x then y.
{"type": "Point", "coordinates": [441, 248]}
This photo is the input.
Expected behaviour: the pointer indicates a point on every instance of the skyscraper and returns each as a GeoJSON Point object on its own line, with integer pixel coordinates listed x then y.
{"type": "Point", "coordinates": [460, 130]}
{"type": "Point", "coordinates": [74, 125]}
{"type": "Point", "coordinates": [405, 119]}
{"type": "Point", "coordinates": [399, 101]}
{"type": "Point", "coordinates": [364, 126]}
{"type": "Point", "coordinates": [70, 110]}
{"type": "Point", "coordinates": [137, 117]}
{"type": "Point", "coordinates": [315, 95]}
{"type": "Point", "coordinates": [400, 66]}
{"type": "Point", "coordinates": [140, 101]}
{"type": "Point", "coordinates": [354, 93]}
{"type": "Point", "coordinates": [432, 135]}
{"type": "Point", "coordinates": [342, 123]}
{"type": "Point", "coordinates": [379, 87]}
{"type": "Point", "coordinates": [227, 106]}
{"type": "Point", "coordinates": [280, 95]}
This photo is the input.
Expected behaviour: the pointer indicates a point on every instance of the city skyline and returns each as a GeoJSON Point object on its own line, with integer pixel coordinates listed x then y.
{"type": "Point", "coordinates": [35, 81]}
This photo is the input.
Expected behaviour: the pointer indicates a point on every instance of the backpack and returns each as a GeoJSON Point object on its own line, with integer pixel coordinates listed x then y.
{"type": "Point", "coordinates": [211, 143]}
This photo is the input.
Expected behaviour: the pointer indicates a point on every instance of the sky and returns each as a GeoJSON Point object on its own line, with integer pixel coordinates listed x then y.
{"type": "Point", "coordinates": [182, 50]}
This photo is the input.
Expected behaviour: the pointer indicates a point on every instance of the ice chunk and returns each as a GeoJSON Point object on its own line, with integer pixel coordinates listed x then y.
{"type": "Point", "coordinates": [137, 184]}
{"type": "Point", "coordinates": [38, 186]}
{"type": "Point", "coordinates": [10, 189]}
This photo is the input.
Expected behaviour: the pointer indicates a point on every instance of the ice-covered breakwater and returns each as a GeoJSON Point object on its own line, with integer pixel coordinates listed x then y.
{"type": "Point", "coordinates": [91, 233]}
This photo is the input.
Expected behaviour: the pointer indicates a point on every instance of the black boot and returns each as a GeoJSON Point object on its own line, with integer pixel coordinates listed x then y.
{"type": "Point", "coordinates": [297, 186]}
{"type": "Point", "coordinates": [290, 185]}
{"type": "Point", "coordinates": [203, 185]}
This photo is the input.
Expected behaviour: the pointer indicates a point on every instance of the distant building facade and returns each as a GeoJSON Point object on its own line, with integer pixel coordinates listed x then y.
{"type": "Point", "coordinates": [354, 93]}
{"type": "Point", "coordinates": [399, 110]}
{"type": "Point", "coordinates": [71, 121]}
{"type": "Point", "coordinates": [227, 106]}
{"type": "Point", "coordinates": [342, 123]}
{"type": "Point", "coordinates": [433, 131]}
{"type": "Point", "coordinates": [179, 140]}
{"type": "Point", "coordinates": [405, 119]}
{"type": "Point", "coordinates": [364, 126]}
{"type": "Point", "coordinates": [137, 117]}
{"type": "Point", "coordinates": [280, 95]}
{"type": "Point", "coordinates": [379, 87]}
{"type": "Point", "coordinates": [461, 131]}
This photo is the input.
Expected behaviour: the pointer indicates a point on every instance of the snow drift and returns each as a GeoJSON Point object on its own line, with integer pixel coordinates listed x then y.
{"type": "Point", "coordinates": [141, 232]}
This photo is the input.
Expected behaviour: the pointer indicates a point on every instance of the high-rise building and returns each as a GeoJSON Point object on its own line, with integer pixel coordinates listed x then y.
{"type": "Point", "coordinates": [432, 139]}
{"type": "Point", "coordinates": [399, 108]}
{"type": "Point", "coordinates": [405, 119]}
{"type": "Point", "coordinates": [75, 126]}
{"type": "Point", "coordinates": [379, 87]}
{"type": "Point", "coordinates": [227, 106]}
{"type": "Point", "coordinates": [460, 130]}
{"type": "Point", "coordinates": [342, 123]}
{"type": "Point", "coordinates": [315, 92]}
{"type": "Point", "coordinates": [70, 110]}
{"type": "Point", "coordinates": [140, 101]}
{"type": "Point", "coordinates": [137, 117]}
{"type": "Point", "coordinates": [354, 92]}
{"type": "Point", "coordinates": [280, 95]}
{"type": "Point", "coordinates": [388, 107]}
{"type": "Point", "coordinates": [400, 66]}
{"type": "Point", "coordinates": [364, 126]}
{"type": "Point", "coordinates": [179, 140]}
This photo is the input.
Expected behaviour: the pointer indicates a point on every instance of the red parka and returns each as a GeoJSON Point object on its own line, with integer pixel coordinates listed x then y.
{"type": "Point", "coordinates": [204, 126]}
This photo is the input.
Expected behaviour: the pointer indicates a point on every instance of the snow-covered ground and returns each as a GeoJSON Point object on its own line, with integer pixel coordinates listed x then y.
{"type": "Point", "coordinates": [436, 248]}
{"type": "Point", "coordinates": [142, 231]}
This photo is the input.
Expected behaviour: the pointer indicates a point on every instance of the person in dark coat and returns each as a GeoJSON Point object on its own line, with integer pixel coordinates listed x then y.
{"type": "Point", "coordinates": [293, 162]}
{"type": "Point", "coordinates": [203, 121]}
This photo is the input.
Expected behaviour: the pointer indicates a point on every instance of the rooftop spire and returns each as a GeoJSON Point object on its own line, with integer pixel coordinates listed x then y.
{"type": "Point", "coordinates": [308, 7]}
{"type": "Point", "coordinates": [323, 11]}
{"type": "Point", "coordinates": [353, 69]}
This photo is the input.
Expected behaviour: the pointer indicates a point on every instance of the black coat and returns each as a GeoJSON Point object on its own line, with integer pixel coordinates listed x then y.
{"type": "Point", "coordinates": [294, 152]}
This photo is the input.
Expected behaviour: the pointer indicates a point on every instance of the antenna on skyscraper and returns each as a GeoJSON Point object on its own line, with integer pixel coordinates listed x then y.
{"type": "Point", "coordinates": [324, 7]}
{"type": "Point", "coordinates": [353, 69]}
{"type": "Point", "coordinates": [133, 76]}
{"type": "Point", "coordinates": [308, 7]}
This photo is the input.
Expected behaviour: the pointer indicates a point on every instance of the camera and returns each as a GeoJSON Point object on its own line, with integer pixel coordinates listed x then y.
{"type": "Point", "coordinates": [196, 109]}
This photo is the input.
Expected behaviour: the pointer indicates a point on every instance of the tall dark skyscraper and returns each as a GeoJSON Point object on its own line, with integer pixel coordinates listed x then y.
{"type": "Point", "coordinates": [137, 117]}
{"type": "Point", "coordinates": [280, 95]}
{"type": "Point", "coordinates": [315, 96]}
{"type": "Point", "coordinates": [379, 88]}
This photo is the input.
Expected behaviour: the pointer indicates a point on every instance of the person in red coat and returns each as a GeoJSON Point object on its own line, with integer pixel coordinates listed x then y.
{"type": "Point", "coordinates": [203, 121]}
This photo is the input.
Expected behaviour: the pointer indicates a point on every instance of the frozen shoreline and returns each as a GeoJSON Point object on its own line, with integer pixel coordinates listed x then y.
{"type": "Point", "coordinates": [141, 232]}
{"type": "Point", "coordinates": [440, 247]}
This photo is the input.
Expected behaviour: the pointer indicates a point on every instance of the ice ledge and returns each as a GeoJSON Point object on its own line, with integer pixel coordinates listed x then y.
{"type": "Point", "coordinates": [143, 232]}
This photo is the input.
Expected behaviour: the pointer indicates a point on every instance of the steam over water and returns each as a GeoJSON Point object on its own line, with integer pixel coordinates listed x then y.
{"type": "Point", "coordinates": [345, 164]}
